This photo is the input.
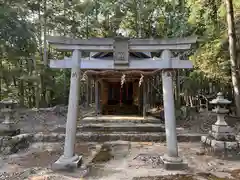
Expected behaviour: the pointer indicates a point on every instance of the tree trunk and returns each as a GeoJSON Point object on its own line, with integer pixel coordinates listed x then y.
{"type": "Point", "coordinates": [140, 4]}
{"type": "Point", "coordinates": [233, 54]}
{"type": "Point", "coordinates": [191, 101]}
{"type": "Point", "coordinates": [96, 10]}
{"type": "Point", "coordinates": [21, 86]}
{"type": "Point", "coordinates": [45, 59]}
{"type": "Point", "coordinates": [87, 24]}
{"type": "Point", "coordinates": [1, 81]}
{"type": "Point", "coordinates": [36, 85]}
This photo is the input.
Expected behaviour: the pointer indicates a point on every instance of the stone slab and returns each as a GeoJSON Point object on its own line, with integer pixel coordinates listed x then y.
{"type": "Point", "coordinates": [208, 141]}
{"type": "Point", "coordinates": [134, 137]}
{"type": "Point", "coordinates": [116, 127]}
{"type": "Point", "coordinates": [223, 136]}
{"type": "Point", "coordinates": [232, 145]}
{"type": "Point", "coordinates": [170, 163]}
{"type": "Point", "coordinates": [222, 128]}
{"type": "Point", "coordinates": [96, 137]}
{"type": "Point", "coordinates": [203, 139]}
{"type": "Point", "coordinates": [218, 145]}
{"type": "Point", "coordinates": [10, 132]}
{"type": "Point", "coordinates": [67, 164]}
{"type": "Point", "coordinates": [8, 126]}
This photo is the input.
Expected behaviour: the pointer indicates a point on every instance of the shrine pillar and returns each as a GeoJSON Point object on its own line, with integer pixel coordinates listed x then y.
{"type": "Point", "coordinates": [91, 91]}
{"type": "Point", "coordinates": [69, 159]}
{"type": "Point", "coordinates": [171, 159]}
{"type": "Point", "coordinates": [169, 114]}
{"type": "Point", "coordinates": [144, 89]}
{"type": "Point", "coordinates": [97, 99]}
{"type": "Point", "coordinates": [88, 92]}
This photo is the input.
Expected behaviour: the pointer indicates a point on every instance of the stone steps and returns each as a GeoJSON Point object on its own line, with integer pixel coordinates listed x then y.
{"type": "Point", "coordinates": [108, 124]}
{"type": "Point", "coordinates": [134, 137]}
{"type": "Point", "coordinates": [115, 127]}
{"type": "Point", "coordinates": [105, 137]}
{"type": "Point", "coordinates": [120, 119]}
{"type": "Point", "coordinates": [15, 143]}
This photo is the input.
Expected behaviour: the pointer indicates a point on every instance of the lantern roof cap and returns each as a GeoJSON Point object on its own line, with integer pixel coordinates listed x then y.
{"type": "Point", "coordinates": [220, 99]}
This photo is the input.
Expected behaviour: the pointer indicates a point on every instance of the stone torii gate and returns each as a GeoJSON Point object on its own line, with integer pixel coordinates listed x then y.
{"type": "Point", "coordinates": [121, 48]}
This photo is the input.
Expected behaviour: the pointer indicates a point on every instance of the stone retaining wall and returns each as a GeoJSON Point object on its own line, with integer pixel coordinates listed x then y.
{"type": "Point", "coordinates": [9, 145]}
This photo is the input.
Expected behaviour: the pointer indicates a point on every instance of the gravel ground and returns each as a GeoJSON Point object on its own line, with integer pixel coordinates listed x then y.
{"type": "Point", "coordinates": [117, 161]}
{"type": "Point", "coordinates": [120, 161]}
{"type": "Point", "coordinates": [47, 119]}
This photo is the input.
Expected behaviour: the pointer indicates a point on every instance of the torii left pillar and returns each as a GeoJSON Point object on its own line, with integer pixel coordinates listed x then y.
{"type": "Point", "coordinates": [69, 159]}
{"type": "Point", "coordinates": [171, 160]}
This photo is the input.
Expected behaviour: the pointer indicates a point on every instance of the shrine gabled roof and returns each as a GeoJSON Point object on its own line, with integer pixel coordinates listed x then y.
{"type": "Point", "coordinates": [110, 54]}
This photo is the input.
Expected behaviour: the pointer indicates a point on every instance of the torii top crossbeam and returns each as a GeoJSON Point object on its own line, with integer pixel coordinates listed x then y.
{"type": "Point", "coordinates": [121, 48]}
{"type": "Point", "coordinates": [135, 45]}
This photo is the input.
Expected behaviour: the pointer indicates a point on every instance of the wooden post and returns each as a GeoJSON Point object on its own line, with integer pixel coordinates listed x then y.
{"type": "Point", "coordinates": [144, 98]}
{"type": "Point", "coordinates": [88, 93]}
{"type": "Point", "coordinates": [91, 91]}
{"type": "Point", "coordinates": [151, 93]}
{"type": "Point", "coordinates": [97, 96]}
{"type": "Point", "coordinates": [148, 94]}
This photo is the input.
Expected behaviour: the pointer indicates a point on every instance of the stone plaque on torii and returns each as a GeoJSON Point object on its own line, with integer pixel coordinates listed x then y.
{"type": "Point", "coordinates": [121, 61]}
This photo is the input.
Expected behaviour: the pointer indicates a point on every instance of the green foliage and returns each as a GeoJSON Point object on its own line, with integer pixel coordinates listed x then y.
{"type": "Point", "coordinates": [212, 61]}
{"type": "Point", "coordinates": [23, 24]}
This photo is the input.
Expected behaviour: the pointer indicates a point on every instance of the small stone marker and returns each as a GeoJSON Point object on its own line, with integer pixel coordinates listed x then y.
{"type": "Point", "coordinates": [221, 137]}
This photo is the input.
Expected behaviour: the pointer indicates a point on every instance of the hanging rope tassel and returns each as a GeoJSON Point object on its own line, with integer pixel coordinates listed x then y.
{"type": "Point", "coordinates": [122, 83]}
{"type": "Point", "coordinates": [123, 80]}
{"type": "Point", "coordinates": [120, 96]}
{"type": "Point", "coordinates": [127, 90]}
{"type": "Point", "coordinates": [141, 80]}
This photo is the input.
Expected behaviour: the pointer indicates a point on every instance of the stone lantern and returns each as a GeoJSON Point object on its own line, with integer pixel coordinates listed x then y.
{"type": "Point", "coordinates": [8, 126]}
{"type": "Point", "coordinates": [221, 136]}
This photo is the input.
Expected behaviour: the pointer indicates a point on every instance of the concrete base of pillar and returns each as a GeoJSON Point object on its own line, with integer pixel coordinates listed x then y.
{"type": "Point", "coordinates": [67, 164]}
{"type": "Point", "coordinates": [173, 163]}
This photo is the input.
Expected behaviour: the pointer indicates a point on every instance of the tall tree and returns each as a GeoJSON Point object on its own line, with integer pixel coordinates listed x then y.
{"type": "Point", "coordinates": [233, 53]}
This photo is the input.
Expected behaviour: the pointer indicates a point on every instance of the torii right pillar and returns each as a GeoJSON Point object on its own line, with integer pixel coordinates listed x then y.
{"type": "Point", "coordinates": [171, 160]}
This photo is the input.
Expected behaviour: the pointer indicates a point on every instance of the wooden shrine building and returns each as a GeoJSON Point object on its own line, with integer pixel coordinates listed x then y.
{"type": "Point", "coordinates": [119, 91]}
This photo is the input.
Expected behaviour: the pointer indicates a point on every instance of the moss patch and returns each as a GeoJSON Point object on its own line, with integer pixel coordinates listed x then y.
{"type": "Point", "coordinates": [104, 155]}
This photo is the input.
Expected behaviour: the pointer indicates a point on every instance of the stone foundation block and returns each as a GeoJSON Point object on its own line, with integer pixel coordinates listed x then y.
{"type": "Point", "coordinates": [9, 129]}
{"type": "Point", "coordinates": [67, 164]}
{"type": "Point", "coordinates": [203, 139]}
{"type": "Point", "coordinates": [223, 136]}
{"type": "Point", "coordinates": [222, 129]}
{"type": "Point", "coordinates": [231, 145]}
{"type": "Point", "coordinates": [38, 137]}
{"type": "Point", "coordinates": [217, 145]}
{"type": "Point", "coordinates": [208, 141]}
{"type": "Point", "coordinates": [173, 163]}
